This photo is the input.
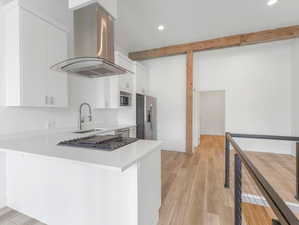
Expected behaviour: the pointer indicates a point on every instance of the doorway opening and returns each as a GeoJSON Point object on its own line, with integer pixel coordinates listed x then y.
{"type": "Point", "coordinates": [212, 113]}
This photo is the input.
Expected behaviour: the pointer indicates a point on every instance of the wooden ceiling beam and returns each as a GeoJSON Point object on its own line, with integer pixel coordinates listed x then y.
{"type": "Point", "coordinates": [282, 33]}
{"type": "Point", "coordinates": [278, 34]}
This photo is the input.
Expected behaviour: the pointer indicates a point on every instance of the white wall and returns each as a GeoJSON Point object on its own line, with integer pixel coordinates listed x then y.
{"type": "Point", "coordinates": [2, 156]}
{"type": "Point", "coordinates": [257, 81]}
{"type": "Point", "coordinates": [2, 180]}
{"type": "Point", "coordinates": [212, 112]}
{"type": "Point", "coordinates": [167, 82]}
{"type": "Point", "coordinates": [2, 81]}
{"type": "Point", "coordinates": [295, 90]}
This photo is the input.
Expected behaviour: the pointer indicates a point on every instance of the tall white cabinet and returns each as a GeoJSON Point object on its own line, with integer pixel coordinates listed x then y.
{"type": "Point", "coordinates": [108, 88]}
{"type": "Point", "coordinates": [32, 45]}
{"type": "Point", "coordinates": [125, 81]}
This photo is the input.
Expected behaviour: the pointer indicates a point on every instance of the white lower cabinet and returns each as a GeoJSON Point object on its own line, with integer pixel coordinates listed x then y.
{"type": "Point", "coordinates": [149, 189]}
{"type": "Point", "coordinates": [32, 45]}
{"type": "Point", "coordinates": [65, 192]}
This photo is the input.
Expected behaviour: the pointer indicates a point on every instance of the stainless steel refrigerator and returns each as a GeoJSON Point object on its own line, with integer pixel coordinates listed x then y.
{"type": "Point", "coordinates": [146, 117]}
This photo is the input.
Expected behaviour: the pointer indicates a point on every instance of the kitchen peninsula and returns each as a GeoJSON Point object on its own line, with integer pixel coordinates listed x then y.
{"type": "Point", "coordinates": [61, 185]}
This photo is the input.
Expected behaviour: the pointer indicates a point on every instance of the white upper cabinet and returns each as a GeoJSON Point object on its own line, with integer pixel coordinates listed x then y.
{"type": "Point", "coordinates": [33, 61]}
{"type": "Point", "coordinates": [142, 79]}
{"type": "Point", "coordinates": [124, 61]}
{"type": "Point", "coordinates": [32, 45]}
{"type": "Point", "coordinates": [57, 81]}
{"type": "Point", "coordinates": [107, 93]}
{"type": "Point", "coordinates": [126, 80]}
{"type": "Point", "coordinates": [126, 83]}
{"type": "Point", "coordinates": [113, 92]}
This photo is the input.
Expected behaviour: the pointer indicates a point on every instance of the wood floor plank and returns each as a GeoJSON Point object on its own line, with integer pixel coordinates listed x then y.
{"type": "Point", "coordinates": [256, 215]}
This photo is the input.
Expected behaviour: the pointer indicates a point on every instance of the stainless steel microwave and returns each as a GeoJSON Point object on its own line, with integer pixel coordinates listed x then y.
{"type": "Point", "coordinates": [125, 99]}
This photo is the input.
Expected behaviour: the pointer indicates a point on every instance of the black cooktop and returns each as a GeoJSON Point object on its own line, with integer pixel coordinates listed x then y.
{"type": "Point", "coordinates": [106, 143]}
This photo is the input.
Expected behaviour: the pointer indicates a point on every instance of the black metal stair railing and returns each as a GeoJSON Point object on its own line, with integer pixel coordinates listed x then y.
{"type": "Point", "coordinates": [284, 214]}
{"type": "Point", "coordinates": [238, 190]}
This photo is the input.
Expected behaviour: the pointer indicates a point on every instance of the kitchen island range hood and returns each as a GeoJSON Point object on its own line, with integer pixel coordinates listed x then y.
{"type": "Point", "coordinates": [93, 44]}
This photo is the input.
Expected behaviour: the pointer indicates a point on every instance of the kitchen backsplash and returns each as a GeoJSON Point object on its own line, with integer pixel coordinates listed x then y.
{"type": "Point", "coordinates": [16, 120]}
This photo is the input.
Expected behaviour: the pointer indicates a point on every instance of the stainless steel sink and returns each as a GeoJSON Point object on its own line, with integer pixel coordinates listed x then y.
{"type": "Point", "coordinates": [87, 131]}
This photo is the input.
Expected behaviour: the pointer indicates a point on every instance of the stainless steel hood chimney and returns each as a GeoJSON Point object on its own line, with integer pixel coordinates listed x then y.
{"type": "Point", "coordinates": [93, 44]}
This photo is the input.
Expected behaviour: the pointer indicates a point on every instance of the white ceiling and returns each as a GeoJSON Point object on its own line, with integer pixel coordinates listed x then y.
{"type": "Point", "coordinates": [194, 20]}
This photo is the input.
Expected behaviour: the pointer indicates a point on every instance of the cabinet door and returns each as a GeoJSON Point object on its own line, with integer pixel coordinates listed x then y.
{"type": "Point", "coordinates": [107, 93]}
{"type": "Point", "coordinates": [122, 82]}
{"type": "Point", "coordinates": [149, 188]}
{"type": "Point", "coordinates": [57, 91]}
{"type": "Point", "coordinates": [112, 92]}
{"type": "Point", "coordinates": [33, 53]}
{"type": "Point", "coordinates": [124, 61]}
{"type": "Point", "coordinates": [126, 82]}
{"type": "Point", "coordinates": [146, 82]}
{"type": "Point", "coordinates": [100, 96]}
{"type": "Point", "coordinates": [141, 79]}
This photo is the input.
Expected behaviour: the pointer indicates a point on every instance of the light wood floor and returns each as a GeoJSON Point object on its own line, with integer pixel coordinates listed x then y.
{"type": "Point", "coordinates": [192, 187]}
{"type": "Point", "coordinates": [12, 217]}
{"type": "Point", "coordinates": [193, 192]}
{"type": "Point", "coordinates": [280, 172]}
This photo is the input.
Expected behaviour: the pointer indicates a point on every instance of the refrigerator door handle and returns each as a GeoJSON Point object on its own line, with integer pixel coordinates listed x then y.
{"type": "Point", "coordinates": [149, 116]}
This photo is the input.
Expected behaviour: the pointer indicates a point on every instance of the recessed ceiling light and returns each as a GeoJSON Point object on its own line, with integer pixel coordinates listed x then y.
{"type": "Point", "coordinates": [161, 27]}
{"type": "Point", "coordinates": [272, 2]}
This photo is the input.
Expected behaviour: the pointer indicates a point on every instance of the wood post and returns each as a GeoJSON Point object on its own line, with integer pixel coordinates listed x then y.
{"type": "Point", "coordinates": [189, 102]}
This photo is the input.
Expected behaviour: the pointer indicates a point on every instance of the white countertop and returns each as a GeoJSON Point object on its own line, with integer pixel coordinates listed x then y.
{"type": "Point", "coordinates": [44, 143]}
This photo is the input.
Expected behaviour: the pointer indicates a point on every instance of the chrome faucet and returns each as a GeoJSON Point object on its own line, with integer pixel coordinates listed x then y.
{"type": "Point", "coordinates": [81, 118]}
